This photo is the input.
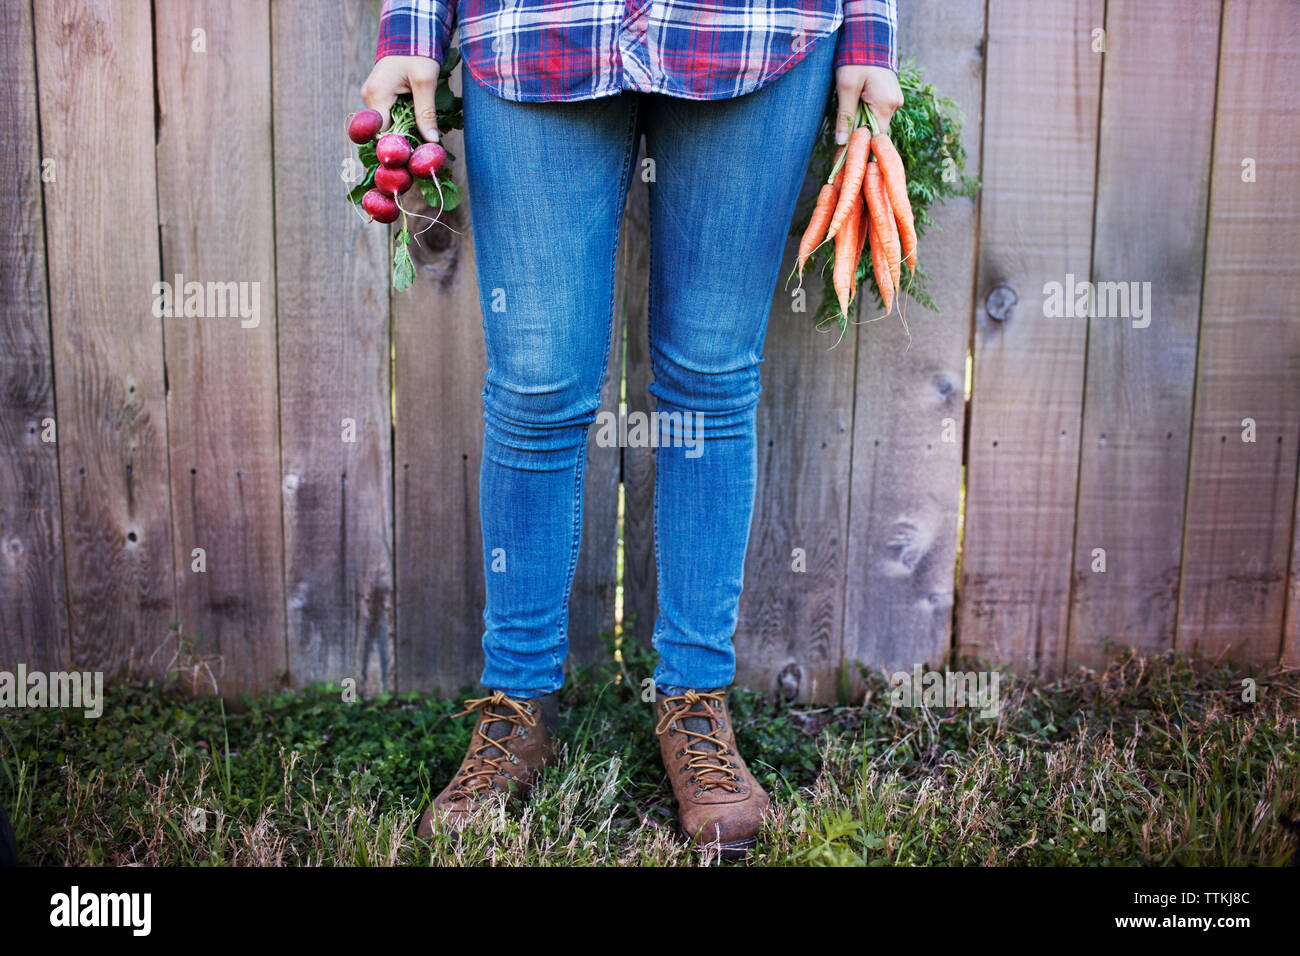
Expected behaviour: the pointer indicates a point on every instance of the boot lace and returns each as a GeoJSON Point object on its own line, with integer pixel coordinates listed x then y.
{"type": "Point", "coordinates": [480, 767]}
{"type": "Point", "coordinates": [708, 767]}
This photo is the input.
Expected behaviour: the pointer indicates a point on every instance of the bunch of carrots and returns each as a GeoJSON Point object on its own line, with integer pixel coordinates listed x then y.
{"type": "Point", "coordinates": [864, 203]}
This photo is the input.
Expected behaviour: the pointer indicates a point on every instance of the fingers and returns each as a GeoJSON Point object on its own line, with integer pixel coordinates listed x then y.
{"type": "Point", "coordinates": [848, 91]}
{"type": "Point", "coordinates": [876, 86]}
{"type": "Point", "coordinates": [883, 94]}
{"type": "Point", "coordinates": [394, 75]}
{"type": "Point", "coordinates": [423, 84]}
{"type": "Point", "coordinates": [379, 93]}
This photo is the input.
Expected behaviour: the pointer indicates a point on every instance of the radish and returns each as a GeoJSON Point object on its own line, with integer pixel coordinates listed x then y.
{"type": "Point", "coordinates": [381, 208]}
{"type": "Point", "coordinates": [393, 150]}
{"type": "Point", "coordinates": [364, 126]}
{"type": "Point", "coordinates": [392, 182]}
{"type": "Point", "coordinates": [427, 161]}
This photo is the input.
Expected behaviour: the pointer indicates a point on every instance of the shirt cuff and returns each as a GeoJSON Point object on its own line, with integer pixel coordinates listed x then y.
{"type": "Point", "coordinates": [415, 28]}
{"type": "Point", "coordinates": [868, 36]}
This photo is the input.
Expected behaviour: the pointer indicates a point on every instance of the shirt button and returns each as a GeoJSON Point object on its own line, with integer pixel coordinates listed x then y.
{"type": "Point", "coordinates": [797, 43]}
{"type": "Point", "coordinates": [496, 45]}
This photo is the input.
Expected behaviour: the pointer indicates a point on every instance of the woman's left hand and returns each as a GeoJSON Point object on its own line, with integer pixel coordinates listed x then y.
{"type": "Point", "coordinates": [876, 85]}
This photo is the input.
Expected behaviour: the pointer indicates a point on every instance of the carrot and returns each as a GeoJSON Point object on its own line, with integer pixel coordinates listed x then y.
{"type": "Point", "coordinates": [855, 167]}
{"type": "Point", "coordinates": [880, 265]}
{"type": "Point", "coordinates": [891, 165]}
{"type": "Point", "coordinates": [862, 231]}
{"type": "Point", "coordinates": [883, 228]}
{"type": "Point", "coordinates": [816, 231]}
{"type": "Point", "coordinates": [821, 215]}
{"type": "Point", "coordinates": [846, 245]}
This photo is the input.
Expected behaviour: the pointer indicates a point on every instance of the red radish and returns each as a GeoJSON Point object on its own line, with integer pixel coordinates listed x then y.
{"type": "Point", "coordinates": [393, 150]}
{"type": "Point", "coordinates": [381, 208]}
{"type": "Point", "coordinates": [364, 126]}
{"type": "Point", "coordinates": [427, 161]}
{"type": "Point", "coordinates": [392, 182]}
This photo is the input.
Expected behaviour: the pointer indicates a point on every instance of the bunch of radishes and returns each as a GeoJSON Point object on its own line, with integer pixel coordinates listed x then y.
{"type": "Point", "coordinates": [394, 160]}
{"type": "Point", "coordinates": [400, 164]}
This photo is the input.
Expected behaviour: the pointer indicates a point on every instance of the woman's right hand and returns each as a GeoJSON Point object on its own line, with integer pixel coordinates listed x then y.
{"type": "Point", "coordinates": [417, 75]}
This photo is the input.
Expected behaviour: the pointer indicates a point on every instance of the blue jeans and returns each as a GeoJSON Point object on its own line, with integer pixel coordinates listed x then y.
{"type": "Point", "coordinates": [548, 183]}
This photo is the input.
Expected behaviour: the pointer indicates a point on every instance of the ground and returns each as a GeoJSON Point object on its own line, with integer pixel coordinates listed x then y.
{"type": "Point", "coordinates": [1155, 761]}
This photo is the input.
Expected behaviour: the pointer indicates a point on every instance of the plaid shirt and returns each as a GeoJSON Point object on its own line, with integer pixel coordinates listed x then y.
{"type": "Point", "coordinates": [547, 50]}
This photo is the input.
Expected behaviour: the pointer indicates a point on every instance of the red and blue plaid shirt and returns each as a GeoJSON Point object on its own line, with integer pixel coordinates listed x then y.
{"type": "Point", "coordinates": [547, 50]}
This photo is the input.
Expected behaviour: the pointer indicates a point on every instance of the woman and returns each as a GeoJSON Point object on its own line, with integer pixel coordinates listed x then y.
{"type": "Point", "coordinates": [730, 96]}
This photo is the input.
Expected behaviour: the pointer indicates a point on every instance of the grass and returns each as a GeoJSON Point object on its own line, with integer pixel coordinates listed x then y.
{"type": "Point", "coordinates": [1181, 768]}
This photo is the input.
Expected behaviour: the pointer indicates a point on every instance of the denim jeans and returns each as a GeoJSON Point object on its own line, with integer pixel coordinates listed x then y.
{"type": "Point", "coordinates": [548, 183]}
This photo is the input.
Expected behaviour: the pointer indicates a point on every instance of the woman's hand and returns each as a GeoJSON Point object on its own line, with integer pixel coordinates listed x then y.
{"type": "Point", "coordinates": [877, 85]}
{"type": "Point", "coordinates": [417, 75]}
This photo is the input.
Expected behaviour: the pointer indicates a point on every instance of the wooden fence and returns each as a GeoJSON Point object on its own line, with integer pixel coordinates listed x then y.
{"type": "Point", "coordinates": [202, 139]}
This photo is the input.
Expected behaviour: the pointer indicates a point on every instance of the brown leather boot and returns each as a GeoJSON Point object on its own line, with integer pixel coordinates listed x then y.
{"type": "Point", "coordinates": [720, 804]}
{"type": "Point", "coordinates": [510, 745]}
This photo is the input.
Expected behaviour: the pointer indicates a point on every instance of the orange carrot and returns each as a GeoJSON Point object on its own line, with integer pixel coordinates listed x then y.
{"type": "Point", "coordinates": [855, 167]}
{"type": "Point", "coordinates": [821, 216]}
{"type": "Point", "coordinates": [862, 231]}
{"type": "Point", "coordinates": [880, 265]}
{"type": "Point", "coordinates": [891, 165]}
{"type": "Point", "coordinates": [846, 245]}
{"type": "Point", "coordinates": [881, 230]}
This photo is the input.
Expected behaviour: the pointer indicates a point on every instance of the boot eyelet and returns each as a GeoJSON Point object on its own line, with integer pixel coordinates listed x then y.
{"type": "Point", "coordinates": [681, 753]}
{"type": "Point", "coordinates": [740, 790]}
{"type": "Point", "coordinates": [514, 759]}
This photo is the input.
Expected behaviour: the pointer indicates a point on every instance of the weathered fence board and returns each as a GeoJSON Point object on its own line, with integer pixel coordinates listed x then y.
{"type": "Point", "coordinates": [215, 208]}
{"type": "Point", "coordinates": [95, 74]}
{"type": "Point", "coordinates": [33, 619]}
{"type": "Point", "coordinates": [1291, 626]}
{"type": "Point", "coordinates": [1040, 126]}
{"type": "Point", "coordinates": [910, 401]}
{"type": "Point", "coordinates": [1241, 494]}
{"type": "Point", "coordinates": [640, 586]}
{"type": "Point", "coordinates": [439, 378]}
{"type": "Point", "coordinates": [333, 321]}
{"type": "Point", "coordinates": [1152, 190]}
{"type": "Point", "coordinates": [792, 610]}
